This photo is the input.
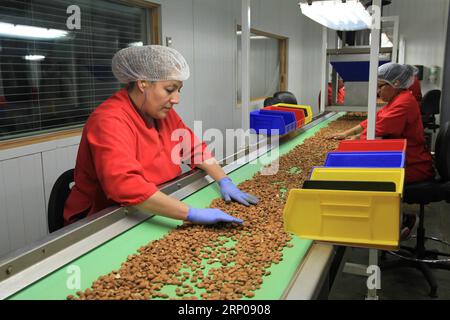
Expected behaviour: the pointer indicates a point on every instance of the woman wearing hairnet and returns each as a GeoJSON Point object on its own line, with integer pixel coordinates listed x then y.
{"type": "Point", "coordinates": [416, 88]}
{"type": "Point", "coordinates": [399, 119]}
{"type": "Point", "coordinates": [127, 149]}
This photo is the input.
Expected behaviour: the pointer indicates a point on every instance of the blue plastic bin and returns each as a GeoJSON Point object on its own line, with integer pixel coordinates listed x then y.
{"type": "Point", "coordinates": [365, 159]}
{"type": "Point", "coordinates": [284, 122]}
{"type": "Point", "coordinates": [289, 118]}
{"type": "Point", "coordinates": [354, 71]}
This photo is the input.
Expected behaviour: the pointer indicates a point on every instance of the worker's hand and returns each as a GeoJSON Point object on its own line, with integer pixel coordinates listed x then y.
{"type": "Point", "coordinates": [210, 216]}
{"type": "Point", "coordinates": [337, 136]}
{"type": "Point", "coordinates": [355, 137]}
{"type": "Point", "coordinates": [230, 192]}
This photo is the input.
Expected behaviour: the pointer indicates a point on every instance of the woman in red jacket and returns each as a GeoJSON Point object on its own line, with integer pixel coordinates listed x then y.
{"type": "Point", "coordinates": [128, 148]}
{"type": "Point", "coordinates": [416, 88]}
{"type": "Point", "coordinates": [399, 119]}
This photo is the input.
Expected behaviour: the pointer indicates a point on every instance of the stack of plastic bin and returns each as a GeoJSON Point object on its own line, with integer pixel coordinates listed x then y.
{"type": "Point", "coordinates": [394, 145]}
{"type": "Point", "coordinates": [282, 117]}
{"type": "Point", "coordinates": [365, 159]}
{"type": "Point", "coordinates": [355, 199]}
{"type": "Point", "coordinates": [272, 122]}
{"type": "Point", "coordinates": [298, 113]}
{"type": "Point", "coordinates": [306, 109]}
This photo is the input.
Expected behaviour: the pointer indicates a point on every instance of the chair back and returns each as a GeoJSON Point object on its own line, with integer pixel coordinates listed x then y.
{"type": "Point", "coordinates": [58, 196]}
{"type": "Point", "coordinates": [271, 101]}
{"type": "Point", "coordinates": [431, 102]}
{"type": "Point", "coordinates": [442, 152]}
{"type": "Point", "coordinates": [286, 97]}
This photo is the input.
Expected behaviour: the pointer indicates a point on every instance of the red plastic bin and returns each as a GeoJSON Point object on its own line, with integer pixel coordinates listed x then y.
{"type": "Point", "coordinates": [398, 145]}
{"type": "Point", "coordinates": [299, 114]}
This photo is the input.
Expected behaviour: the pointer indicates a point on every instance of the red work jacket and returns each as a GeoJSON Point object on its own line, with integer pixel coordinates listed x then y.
{"type": "Point", "coordinates": [340, 99]}
{"type": "Point", "coordinates": [121, 160]}
{"type": "Point", "coordinates": [400, 119]}
{"type": "Point", "coordinates": [416, 90]}
{"type": "Point", "coordinates": [341, 95]}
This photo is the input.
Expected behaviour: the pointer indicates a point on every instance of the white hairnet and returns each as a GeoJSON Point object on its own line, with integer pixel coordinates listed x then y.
{"type": "Point", "coordinates": [397, 75]}
{"type": "Point", "coordinates": [414, 69]}
{"type": "Point", "coordinates": [151, 63]}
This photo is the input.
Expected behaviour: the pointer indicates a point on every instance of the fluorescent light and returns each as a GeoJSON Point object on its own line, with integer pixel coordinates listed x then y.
{"type": "Point", "coordinates": [136, 44]}
{"type": "Point", "coordinates": [29, 32]}
{"type": "Point", "coordinates": [335, 14]}
{"type": "Point", "coordinates": [34, 57]}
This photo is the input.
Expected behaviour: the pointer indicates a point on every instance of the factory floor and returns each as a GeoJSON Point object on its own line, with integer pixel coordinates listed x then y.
{"type": "Point", "coordinates": [400, 283]}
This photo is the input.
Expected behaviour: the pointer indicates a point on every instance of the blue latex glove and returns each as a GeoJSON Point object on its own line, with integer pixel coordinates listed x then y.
{"type": "Point", "coordinates": [230, 192]}
{"type": "Point", "coordinates": [210, 216]}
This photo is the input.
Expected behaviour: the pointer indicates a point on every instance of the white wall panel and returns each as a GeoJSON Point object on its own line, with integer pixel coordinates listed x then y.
{"type": "Point", "coordinates": [309, 64]}
{"type": "Point", "coordinates": [177, 23]}
{"type": "Point", "coordinates": [5, 242]}
{"type": "Point", "coordinates": [267, 13]}
{"type": "Point", "coordinates": [271, 66]}
{"type": "Point", "coordinates": [13, 207]}
{"type": "Point", "coordinates": [215, 63]}
{"type": "Point", "coordinates": [27, 175]}
{"type": "Point", "coordinates": [264, 57]}
{"type": "Point", "coordinates": [22, 209]}
{"type": "Point", "coordinates": [204, 31]}
{"type": "Point", "coordinates": [31, 191]}
{"type": "Point", "coordinates": [284, 18]}
{"type": "Point", "coordinates": [423, 24]}
{"type": "Point", "coordinates": [257, 62]}
{"type": "Point", "coordinates": [264, 68]}
{"type": "Point", "coordinates": [18, 152]}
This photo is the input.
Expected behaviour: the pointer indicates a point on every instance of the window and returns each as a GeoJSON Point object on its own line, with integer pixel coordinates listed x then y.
{"type": "Point", "coordinates": [52, 77]}
{"type": "Point", "coordinates": [267, 64]}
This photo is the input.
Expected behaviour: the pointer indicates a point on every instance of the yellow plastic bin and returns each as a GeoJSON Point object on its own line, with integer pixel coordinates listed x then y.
{"type": "Point", "coordinates": [306, 109]}
{"type": "Point", "coordinates": [368, 219]}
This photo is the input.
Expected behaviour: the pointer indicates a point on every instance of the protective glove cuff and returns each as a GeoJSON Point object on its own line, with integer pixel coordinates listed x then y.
{"type": "Point", "coordinates": [224, 181]}
{"type": "Point", "coordinates": [191, 213]}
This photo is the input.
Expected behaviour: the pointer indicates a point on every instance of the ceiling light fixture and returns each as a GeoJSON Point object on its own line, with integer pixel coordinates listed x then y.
{"type": "Point", "coordinates": [347, 15]}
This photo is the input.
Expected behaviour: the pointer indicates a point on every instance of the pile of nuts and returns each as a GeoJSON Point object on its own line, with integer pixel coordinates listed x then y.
{"type": "Point", "coordinates": [355, 116]}
{"type": "Point", "coordinates": [222, 261]}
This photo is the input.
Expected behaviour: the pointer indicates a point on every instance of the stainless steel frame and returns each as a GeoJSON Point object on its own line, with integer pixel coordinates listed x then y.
{"type": "Point", "coordinates": [34, 262]}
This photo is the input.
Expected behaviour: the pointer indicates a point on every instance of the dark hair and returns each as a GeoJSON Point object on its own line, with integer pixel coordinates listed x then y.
{"type": "Point", "coordinates": [131, 85]}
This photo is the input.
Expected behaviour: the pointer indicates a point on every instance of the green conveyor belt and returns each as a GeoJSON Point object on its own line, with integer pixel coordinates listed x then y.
{"type": "Point", "coordinates": [110, 255]}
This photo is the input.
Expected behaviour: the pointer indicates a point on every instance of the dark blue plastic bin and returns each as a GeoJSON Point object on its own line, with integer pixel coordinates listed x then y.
{"type": "Point", "coordinates": [351, 71]}
{"type": "Point", "coordinates": [365, 159]}
{"type": "Point", "coordinates": [284, 122]}
{"type": "Point", "coordinates": [289, 118]}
